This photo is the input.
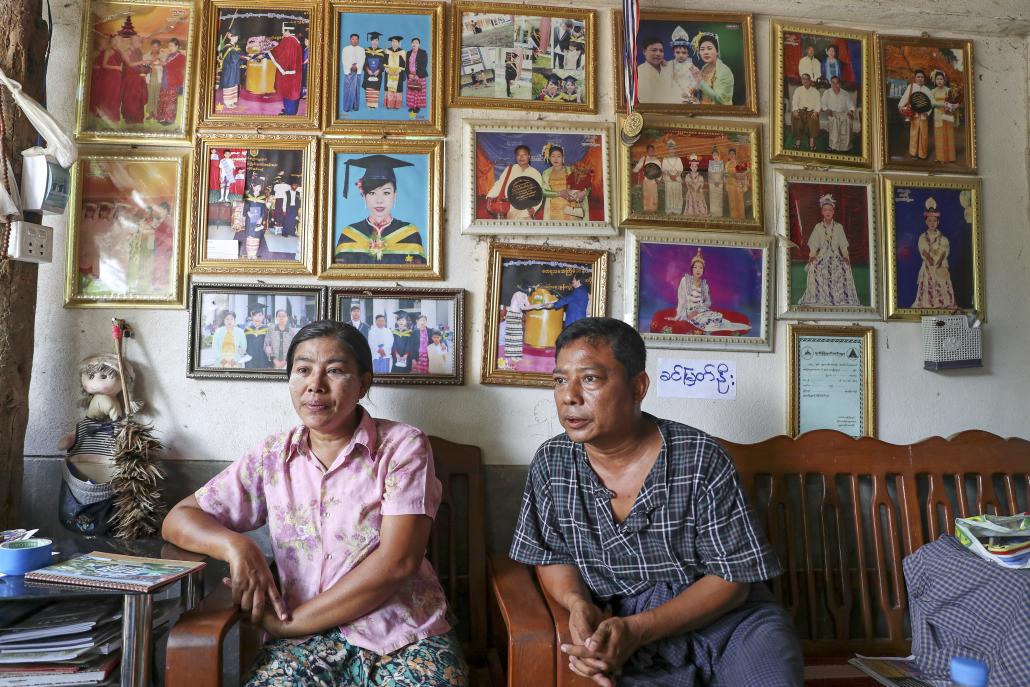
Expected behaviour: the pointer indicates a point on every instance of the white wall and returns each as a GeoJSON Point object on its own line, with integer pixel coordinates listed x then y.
{"type": "Point", "coordinates": [204, 419]}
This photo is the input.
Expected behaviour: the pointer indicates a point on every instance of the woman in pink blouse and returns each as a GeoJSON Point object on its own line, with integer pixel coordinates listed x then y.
{"type": "Point", "coordinates": [349, 501]}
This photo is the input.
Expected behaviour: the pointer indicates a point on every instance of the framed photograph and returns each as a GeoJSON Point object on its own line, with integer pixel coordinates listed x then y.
{"type": "Point", "coordinates": [534, 179]}
{"type": "Point", "coordinates": [243, 331]}
{"type": "Point", "coordinates": [417, 336]}
{"type": "Point", "coordinates": [383, 209]}
{"type": "Point", "coordinates": [533, 293]}
{"type": "Point", "coordinates": [136, 70]}
{"type": "Point", "coordinates": [686, 173]}
{"type": "Point", "coordinates": [934, 246]}
{"type": "Point", "coordinates": [255, 205]}
{"type": "Point", "coordinates": [125, 228]}
{"type": "Point", "coordinates": [385, 71]}
{"type": "Point", "coordinates": [699, 291]}
{"type": "Point", "coordinates": [698, 63]}
{"type": "Point", "coordinates": [532, 58]}
{"type": "Point", "coordinates": [822, 108]}
{"type": "Point", "coordinates": [831, 380]}
{"type": "Point", "coordinates": [258, 68]}
{"type": "Point", "coordinates": [927, 109]}
{"type": "Point", "coordinates": [832, 269]}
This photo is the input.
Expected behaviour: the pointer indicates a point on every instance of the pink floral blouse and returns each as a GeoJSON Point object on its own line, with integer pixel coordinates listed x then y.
{"type": "Point", "coordinates": [324, 522]}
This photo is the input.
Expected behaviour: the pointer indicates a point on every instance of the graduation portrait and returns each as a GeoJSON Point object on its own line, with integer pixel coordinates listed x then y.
{"type": "Point", "coordinates": [503, 55]}
{"type": "Point", "coordinates": [383, 209]}
{"type": "Point", "coordinates": [821, 95]}
{"type": "Point", "coordinates": [137, 71]}
{"type": "Point", "coordinates": [259, 66]}
{"type": "Point", "coordinates": [688, 62]}
{"type": "Point", "coordinates": [386, 71]}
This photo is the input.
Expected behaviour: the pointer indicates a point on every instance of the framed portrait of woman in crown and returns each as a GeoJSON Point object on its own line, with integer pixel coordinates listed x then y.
{"type": "Point", "coordinates": [698, 63]}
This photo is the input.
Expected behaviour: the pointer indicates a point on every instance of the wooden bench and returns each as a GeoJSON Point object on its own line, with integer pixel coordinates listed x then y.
{"type": "Point", "coordinates": [841, 514]}
{"type": "Point", "coordinates": [457, 550]}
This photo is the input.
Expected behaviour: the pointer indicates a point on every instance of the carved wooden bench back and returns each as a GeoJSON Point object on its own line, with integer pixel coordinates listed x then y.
{"type": "Point", "coordinates": [842, 513]}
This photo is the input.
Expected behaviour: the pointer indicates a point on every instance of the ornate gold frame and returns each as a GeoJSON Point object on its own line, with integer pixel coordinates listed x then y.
{"type": "Point", "coordinates": [693, 222]}
{"type": "Point", "coordinates": [596, 259]}
{"type": "Point", "coordinates": [199, 262]}
{"type": "Point", "coordinates": [179, 156]}
{"type": "Point", "coordinates": [433, 269]}
{"type": "Point", "coordinates": [182, 137]}
{"type": "Point", "coordinates": [207, 119]}
{"type": "Point", "coordinates": [763, 342]}
{"type": "Point", "coordinates": [873, 311]}
{"type": "Point", "coordinates": [972, 185]}
{"type": "Point", "coordinates": [435, 124]}
{"type": "Point", "coordinates": [749, 108]}
{"type": "Point", "coordinates": [868, 384]}
{"type": "Point", "coordinates": [966, 48]}
{"type": "Point", "coordinates": [472, 225]}
{"type": "Point", "coordinates": [780, 153]}
{"type": "Point", "coordinates": [589, 19]}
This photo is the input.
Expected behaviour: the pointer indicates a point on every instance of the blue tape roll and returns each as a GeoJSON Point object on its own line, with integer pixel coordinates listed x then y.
{"type": "Point", "coordinates": [20, 557]}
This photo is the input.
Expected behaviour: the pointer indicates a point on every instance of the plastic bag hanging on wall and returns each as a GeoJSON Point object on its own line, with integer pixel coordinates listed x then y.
{"type": "Point", "coordinates": [952, 341]}
{"type": "Point", "coordinates": [59, 144]}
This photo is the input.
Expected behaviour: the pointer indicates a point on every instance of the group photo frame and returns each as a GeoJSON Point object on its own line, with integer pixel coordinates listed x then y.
{"type": "Point", "coordinates": [136, 71]}
{"type": "Point", "coordinates": [533, 293]}
{"type": "Point", "coordinates": [244, 331]}
{"type": "Point", "coordinates": [261, 65]}
{"type": "Point", "coordinates": [700, 291]}
{"type": "Point", "coordinates": [537, 179]}
{"type": "Point", "coordinates": [254, 200]}
{"type": "Point", "coordinates": [383, 209]}
{"type": "Point", "coordinates": [831, 261]}
{"type": "Point", "coordinates": [927, 104]}
{"type": "Point", "coordinates": [934, 246]}
{"type": "Point", "coordinates": [694, 63]}
{"type": "Point", "coordinates": [822, 95]}
{"type": "Point", "coordinates": [538, 57]}
{"type": "Point", "coordinates": [386, 66]}
{"type": "Point", "coordinates": [416, 335]}
{"type": "Point", "coordinates": [126, 219]}
{"type": "Point", "coordinates": [692, 174]}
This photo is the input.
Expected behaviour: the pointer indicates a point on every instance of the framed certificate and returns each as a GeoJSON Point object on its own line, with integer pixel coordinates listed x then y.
{"type": "Point", "coordinates": [832, 380]}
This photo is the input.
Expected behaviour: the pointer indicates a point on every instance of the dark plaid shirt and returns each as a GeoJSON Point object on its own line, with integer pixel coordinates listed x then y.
{"type": "Point", "coordinates": [690, 519]}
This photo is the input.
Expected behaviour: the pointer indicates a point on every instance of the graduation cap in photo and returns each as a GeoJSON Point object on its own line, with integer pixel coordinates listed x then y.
{"type": "Point", "coordinates": [396, 38]}
{"type": "Point", "coordinates": [373, 35]}
{"type": "Point", "coordinates": [570, 79]}
{"type": "Point", "coordinates": [377, 168]}
{"type": "Point", "coordinates": [554, 79]}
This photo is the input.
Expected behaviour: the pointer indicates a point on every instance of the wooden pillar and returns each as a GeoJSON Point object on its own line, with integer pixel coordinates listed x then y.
{"type": "Point", "coordinates": [21, 57]}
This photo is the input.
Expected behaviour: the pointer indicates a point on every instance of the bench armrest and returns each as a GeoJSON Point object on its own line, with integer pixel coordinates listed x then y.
{"type": "Point", "coordinates": [565, 676]}
{"type": "Point", "coordinates": [194, 655]}
{"type": "Point", "coordinates": [528, 632]}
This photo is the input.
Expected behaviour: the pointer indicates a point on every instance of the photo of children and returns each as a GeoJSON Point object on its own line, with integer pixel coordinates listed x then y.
{"type": "Point", "coordinates": [261, 60]}
{"type": "Point", "coordinates": [255, 202]}
{"type": "Point", "coordinates": [137, 78]}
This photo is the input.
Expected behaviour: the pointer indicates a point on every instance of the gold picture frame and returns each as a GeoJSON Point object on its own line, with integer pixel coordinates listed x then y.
{"type": "Point", "coordinates": [825, 371]}
{"type": "Point", "coordinates": [156, 20]}
{"type": "Point", "coordinates": [524, 354]}
{"type": "Point", "coordinates": [125, 247]}
{"type": "Point", "coordinates": [655, 24]}
{"type": "Point", "coordinates": [922, 269]}
{"type": "Point", "coordinates": [534, 64]}
{"type": "Point", "coordinates": [363, 255]}
{"type": "Point", "coordinates": [931, 142]}
{"type": "Point", "coordinates": [789, 50]}
{"type": "Point", "coordinates": [646, 200]}
{"type": "Point", "coordinates": [813, 288]}
{"type": "Point", "coordinates": [257, 93]}
{"type": "Point", "coordinates": [409, 15]}
{"type": "Point", "coordinates": [287, 223]}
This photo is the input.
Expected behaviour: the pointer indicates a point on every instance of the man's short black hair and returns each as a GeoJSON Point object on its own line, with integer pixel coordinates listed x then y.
{"type": "Point", "coordinates": [523, 147]}
{"type": "Point", "coordinates": [651, 40]}
{"type": "Point", "coordinates": [348, 337]}
{"type": "Point", "coordinates": [626, 343]}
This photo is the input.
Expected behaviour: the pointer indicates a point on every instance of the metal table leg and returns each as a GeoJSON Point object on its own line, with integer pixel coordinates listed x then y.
{"type": "Point", "coordinates": [137, 620]}
{"type": "Point", "coordinates": [192, 589]}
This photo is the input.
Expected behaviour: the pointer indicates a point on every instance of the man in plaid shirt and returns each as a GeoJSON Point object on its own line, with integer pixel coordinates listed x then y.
{"type": "Point", "coordinates": [645, 518]}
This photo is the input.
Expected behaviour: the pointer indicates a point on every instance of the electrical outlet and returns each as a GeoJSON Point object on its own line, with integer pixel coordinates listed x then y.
{"type": "Point", "coordinates": [31, 242]}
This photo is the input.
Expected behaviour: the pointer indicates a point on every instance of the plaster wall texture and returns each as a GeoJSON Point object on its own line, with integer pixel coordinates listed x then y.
{"type": "Point", "coordinates": [218, 419]}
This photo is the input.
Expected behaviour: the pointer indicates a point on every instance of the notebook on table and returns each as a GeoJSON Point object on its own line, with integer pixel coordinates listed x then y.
{"type": "Point", "coordinates": [115, 571]}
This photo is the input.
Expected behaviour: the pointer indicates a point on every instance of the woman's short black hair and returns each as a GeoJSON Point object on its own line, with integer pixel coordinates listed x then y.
{"type": "Point", "coordinates": [369, 185]}
{"type": "Point", "coordinates": [347, 336]}
{"type": "Point", "coordinates": [626, 343]}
